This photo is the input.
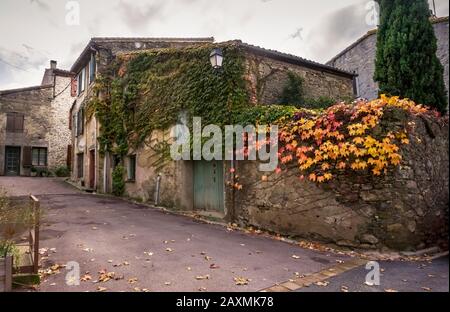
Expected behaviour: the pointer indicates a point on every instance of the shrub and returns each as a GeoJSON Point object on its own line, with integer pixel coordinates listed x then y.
{"type": "Point", "coordinates": [118, 182]}
{"type": "Point", "coordinates": [293, 93]}
{"type": "Point", "coordinates": [62, 171]}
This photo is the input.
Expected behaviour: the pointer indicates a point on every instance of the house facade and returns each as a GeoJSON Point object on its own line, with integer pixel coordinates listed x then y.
{"type": "Point", "coordinates": [198, 186]}
{"type": "Point", "coordinates": [90, 169]}
{"type": "Point", "coordinates": [360, 58]}
{"type": "Point", "coordinates": [34, 133]}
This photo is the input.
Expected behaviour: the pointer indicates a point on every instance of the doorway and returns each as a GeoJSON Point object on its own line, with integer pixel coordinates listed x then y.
{"type": "Point", "coordinates": [12, 160]}
{"type": "Point", "coordinates": [208, 186]}
{"type": "Point", "coordinates": [92, 169]}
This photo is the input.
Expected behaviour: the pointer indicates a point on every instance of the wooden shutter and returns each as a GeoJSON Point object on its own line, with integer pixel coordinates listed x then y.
{"type": "Point", "coordinates": [27, 162]}
{"type": "Point", "coordinates": [18, 123]}
{"type": "Point", "coordinates": [73, 87]}
{"type": "Point", "coordinates": [10, 122]}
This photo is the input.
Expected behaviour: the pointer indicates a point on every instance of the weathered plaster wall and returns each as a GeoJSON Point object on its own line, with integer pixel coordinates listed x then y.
{"type": "Point", "coordinates": [35, 104]}
{"type": "Point", "coordinates": [361, 58]}
{"type": "Point", "coordinates": [407, 209]}
{"type": "Point", "coordinates": [267, 78]}
{"type": "Point", "coordinates": [176, 179]}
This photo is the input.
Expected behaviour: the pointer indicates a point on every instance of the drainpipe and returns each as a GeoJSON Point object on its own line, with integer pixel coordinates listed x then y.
{"type": "Point", "coordinates": [105, 168]}
{"type": "Point", "coordinates": [96, 156]}
{"type": "Point", "coordinates": [158, 187]}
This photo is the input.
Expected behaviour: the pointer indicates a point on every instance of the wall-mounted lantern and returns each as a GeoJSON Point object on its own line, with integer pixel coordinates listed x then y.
{"type": "Point", "coordinates": [216, 58]}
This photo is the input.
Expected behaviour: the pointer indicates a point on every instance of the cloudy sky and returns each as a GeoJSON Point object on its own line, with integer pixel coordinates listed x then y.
{"type": "Point", "coordinates": [34, 31]}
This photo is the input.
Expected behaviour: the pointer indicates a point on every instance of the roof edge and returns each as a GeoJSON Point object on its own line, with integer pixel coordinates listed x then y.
{"type": "Point", "coordinates": [10, 91]}
{"type": "Point", "coordinates": [434, 20]}
{"type": "Point", "coordinates": [99, 40]}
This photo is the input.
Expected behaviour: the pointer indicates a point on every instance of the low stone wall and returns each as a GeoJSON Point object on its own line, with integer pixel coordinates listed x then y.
{"type": "Point", "coordinates": [404, 210]}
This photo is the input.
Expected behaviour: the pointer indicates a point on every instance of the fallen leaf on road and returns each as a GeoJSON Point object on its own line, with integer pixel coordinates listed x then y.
{"type": "Point", "coordinates": [86, 278]}
{"type": "Point", "coordinates": [295, 257]}
{"type": "Point", "coordinates": [340, 261]}
{"type": "Point", "coordinates": [95, 228]}
{"type": "Point", "coordinates": [169, 249]}
{"type": "Point", "coordinates": [53, 250]}
{"type": "Point", "coordinates": [132, 280]}
{"type": "Point", "coordinates": [202, 289]}
{"type": "Point", "coordinates": [167, 283]}
{"type": "Point", "coordinates": [125, 263]}
{"type": "Point", "coordinates": [145, 290]}
{"type": "Point", "coordinates": [323, 284]}
{"type": "Point", "coordinates": [99, 288]}
{"type": "Point", "coordinates": [241, 281]}
{"type": "Point", "coordinates": [88, 249]}
{"type": "Point", "coordinates": [207, 258]}
{"type": "Point", "coordinates": [202, 277]}
{"type": "Point", "coordinates": [390, 290]}
{"type": "Point", "coordinates": [110, 261]}
{"type": "Point", "coordinates": [53, 284]}
{"type": "Point", "coordinates": [426, 288]}
{"type": "Point", "coordinates": [148, 253]}
{"type": "Point", "coordinates": [189, 268]}
{"type": "Point", "coordinates": [105, 276]}
{"type": "Point", "coordinates": [214, 266]}
{"type": "Point", "coordinates": [344, 288]}
{"type": "Point", "coordinates": [137, 289]}
{"type": "Point", "coordinates": [431, 275]}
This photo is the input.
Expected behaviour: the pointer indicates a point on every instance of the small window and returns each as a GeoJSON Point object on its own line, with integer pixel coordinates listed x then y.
{"type": "Point", "coordinates": [14, 122]}
{"type": "Point", "coordinates": [39, 156]}
{"type": "Point", "coordinates": [80, 122]}
{"type": "Point", "coordinates": [131, 168]}
{"type": "Point", "coordinates": [81, 80]}
{"type": "Point", "coordinates": [80, 165]}
{"type": "Point", "coordinates": [92, 69]}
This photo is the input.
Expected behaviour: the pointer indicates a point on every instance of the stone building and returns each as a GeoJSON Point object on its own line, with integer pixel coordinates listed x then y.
{"type": "Point", "coordinates": [34, 126]}
{"type": "Point", "coordinates": [90, 169]}
{"type": "Point", "coordinates": [360, 58]}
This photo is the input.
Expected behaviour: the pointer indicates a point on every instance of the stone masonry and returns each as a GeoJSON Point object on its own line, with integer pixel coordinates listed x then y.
{"type": "Point", "coordinates": [405, 210]}
{"type": "Point", "coordinates": [360, 57]}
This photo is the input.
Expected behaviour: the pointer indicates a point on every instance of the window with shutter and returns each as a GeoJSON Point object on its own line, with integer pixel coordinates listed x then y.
{"type": "Point", "coordinates": [26, 161]}
{"type": "Point", "coordinates": [73, 87]}
{"type": "Point", "coordinates": [39, 156]}
{"type": "Point", "coordinates": [14, 122]}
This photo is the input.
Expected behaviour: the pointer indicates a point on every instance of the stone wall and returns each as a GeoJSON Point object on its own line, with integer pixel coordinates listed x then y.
{"type": "Point", "coordinates": [405, 210]}
{"type": "Point", "coordinates": [360, 57]}
{"type": "Point", "coordinates": [267, 78]}
{"type": "Point", "coordinates": [35, 104]}
{"type": "Point", "coordinates": [59, 136]}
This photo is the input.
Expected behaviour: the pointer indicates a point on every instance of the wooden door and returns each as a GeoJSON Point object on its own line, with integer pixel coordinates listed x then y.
{"type": "Point", "coordinates": [92, 169]}
{"type": "Point", "coordinates": [208, 186]}
{"type": "Point", "coordinates": [12, 160]}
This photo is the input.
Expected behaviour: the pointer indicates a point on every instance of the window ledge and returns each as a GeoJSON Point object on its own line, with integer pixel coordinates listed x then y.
{"type": "Point", "coordinates": [130, 181]}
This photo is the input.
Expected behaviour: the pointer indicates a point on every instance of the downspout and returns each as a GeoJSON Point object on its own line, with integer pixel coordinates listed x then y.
{"type": "Point", "coordinates": [105, 168]}
{"type": "Point", "coordinates": [158, 187]}
{"type": "Point", "coordinates": [96, 155]}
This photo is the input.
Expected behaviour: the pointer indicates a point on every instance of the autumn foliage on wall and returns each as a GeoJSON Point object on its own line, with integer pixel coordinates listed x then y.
{"type": "Point", "coordinates": [347, 138]}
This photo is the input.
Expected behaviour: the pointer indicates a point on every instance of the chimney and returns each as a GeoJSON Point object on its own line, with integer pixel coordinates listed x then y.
{"type": "Point", "coordinates": [53, 64]}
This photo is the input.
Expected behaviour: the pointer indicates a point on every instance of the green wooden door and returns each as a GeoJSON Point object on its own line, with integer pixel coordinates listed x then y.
{"type": "Point", "coordinates": [208, 185]}
{"type": "Point", "coordinates": [12, 160]}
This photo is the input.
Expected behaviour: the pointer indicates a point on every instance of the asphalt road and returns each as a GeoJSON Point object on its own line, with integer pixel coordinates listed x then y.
{"type": "Point", "coordinates": [140, 248]}
{"type": "Point", "coordinates": [395, 276]}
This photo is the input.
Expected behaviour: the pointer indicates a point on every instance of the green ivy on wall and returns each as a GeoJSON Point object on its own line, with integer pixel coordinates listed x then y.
{"type": "Point", "coordinates": [147, 90]}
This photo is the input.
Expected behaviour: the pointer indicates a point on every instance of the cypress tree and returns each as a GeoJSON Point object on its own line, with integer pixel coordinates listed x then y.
{"type": "Point", "coordinates": [406, 62]}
